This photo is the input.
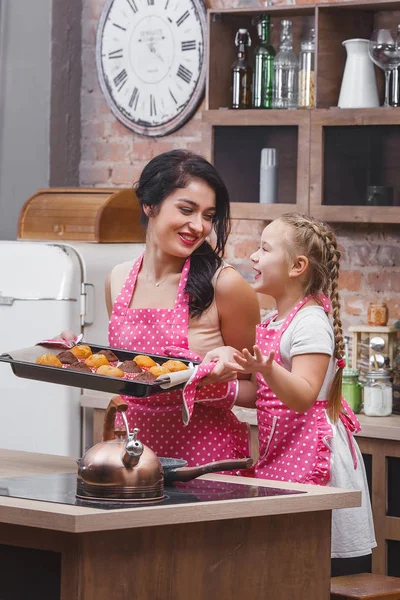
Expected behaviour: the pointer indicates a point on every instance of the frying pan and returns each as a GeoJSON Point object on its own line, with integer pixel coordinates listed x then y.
{"type": "Point", "coordinates": [176, 469]}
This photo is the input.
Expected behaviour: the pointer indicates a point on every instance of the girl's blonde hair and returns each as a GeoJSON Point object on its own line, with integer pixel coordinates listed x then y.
{"type": "Point", "coordinates": [318, 243]}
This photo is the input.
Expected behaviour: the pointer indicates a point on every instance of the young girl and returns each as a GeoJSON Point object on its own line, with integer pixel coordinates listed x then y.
{"type": "Point", "coordinates": [305, 426]}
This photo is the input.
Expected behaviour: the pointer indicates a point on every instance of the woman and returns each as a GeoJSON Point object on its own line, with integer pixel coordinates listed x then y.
{"type": "Point", "coordinates": [181, 296]}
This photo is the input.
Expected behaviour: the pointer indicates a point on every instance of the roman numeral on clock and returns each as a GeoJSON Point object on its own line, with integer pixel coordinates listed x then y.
{"type": "Point", "coordinates": [133, 6]}
{"type": "Point", "coordinates": [173, 97]}
{"type": "Point", "coordinates": [134, 98]}
{"type": "Point", "coordinates": [150, 2]}
{"type": "Point", "coordinates": [182, 18]}
{"type": "Point", "coordinates": [189, 45]}
{"type": "Point", "coordinates": [121, 79]}
{"type": "Point", "coordinates": [153, 109]}
{"type": "Point", "coordinates": [184, 74]}
{"type": "Point", "coordinates": [116, 54]}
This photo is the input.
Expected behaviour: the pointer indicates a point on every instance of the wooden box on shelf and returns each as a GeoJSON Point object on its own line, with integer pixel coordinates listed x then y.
{"type": "Point", "coordinates": [327, 156]}
{"type": "Point", "coordinates": [362, 353]}
{"type": "Point", "coordinates": [82, 214]}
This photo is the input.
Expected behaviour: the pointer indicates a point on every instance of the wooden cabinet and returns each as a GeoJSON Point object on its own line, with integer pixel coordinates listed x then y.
{"type": "Point", "coordinates": [327, 156]}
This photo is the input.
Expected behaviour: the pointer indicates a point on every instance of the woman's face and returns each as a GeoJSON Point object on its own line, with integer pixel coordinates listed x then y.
{"type": "Point", "coordinates": [270, 262]}
{"type": "Point", "coordinates": [184, 219]}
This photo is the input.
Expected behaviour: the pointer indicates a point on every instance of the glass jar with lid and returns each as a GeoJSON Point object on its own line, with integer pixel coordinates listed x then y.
{"type": "Point", "coordinates": [306, 72]}
{"type": "Point", "coordinates": [352, 389]}
{"type": "Point", "coordinates": [378, 394]}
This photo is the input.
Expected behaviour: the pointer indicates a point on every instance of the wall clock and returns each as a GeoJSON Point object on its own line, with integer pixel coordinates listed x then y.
{"type": "Point", "coordinates": [150, 57]}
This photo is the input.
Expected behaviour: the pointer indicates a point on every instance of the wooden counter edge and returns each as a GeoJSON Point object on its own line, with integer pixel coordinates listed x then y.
{"type": "Point", "coordinates": [74, 519]}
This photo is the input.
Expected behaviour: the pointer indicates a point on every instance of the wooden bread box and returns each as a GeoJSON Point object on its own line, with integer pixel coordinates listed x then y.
{"type": "Point", "coordinates": [82, 214]}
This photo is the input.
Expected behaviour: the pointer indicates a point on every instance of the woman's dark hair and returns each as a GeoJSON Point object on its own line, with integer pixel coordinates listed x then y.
{"type": "Point", "coordinates": [160, 177]}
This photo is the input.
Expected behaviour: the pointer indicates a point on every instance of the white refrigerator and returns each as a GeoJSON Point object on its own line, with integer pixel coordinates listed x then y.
{"type": "Point", "coordinates": [45, 288]}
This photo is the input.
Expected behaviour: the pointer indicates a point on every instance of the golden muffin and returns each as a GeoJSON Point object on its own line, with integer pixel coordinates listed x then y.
{"type": "Point", "coordinates": [144, 362]}
{"type": "Point", "coordinates": [175, 365]}
{"type": "Point", "coordinates": [81, 351]}
{"type": "Point", "coordinates": [50, 360]}
{"type": "Point", "coordinates": [110, 371]}
{"type": "Point", "coordinates": [158, 371]}
{"type": "Point", "coordinates": [96, 360]}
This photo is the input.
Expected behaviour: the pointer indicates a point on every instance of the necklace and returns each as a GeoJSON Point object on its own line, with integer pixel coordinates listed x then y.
{"type": "Point", "coordinates": [156, 283]}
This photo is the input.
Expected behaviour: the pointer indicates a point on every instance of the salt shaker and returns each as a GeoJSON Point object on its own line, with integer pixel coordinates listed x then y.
{"type": "Point", "coordinates": [269, 176]}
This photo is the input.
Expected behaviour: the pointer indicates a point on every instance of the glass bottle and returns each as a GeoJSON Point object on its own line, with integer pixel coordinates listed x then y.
{"type": "Point", "coordinates": [263, 66]}
{"type": "Point", "coordinates": [242, 73]}
{"type": "Point", "coordinates": [378, 394]}
{"type": "Point", "coordinates": [306, 72]}
{"type": "Point", "coordinates": [352, 389]}
{"type": "Point", "coordinates": [286, 67]}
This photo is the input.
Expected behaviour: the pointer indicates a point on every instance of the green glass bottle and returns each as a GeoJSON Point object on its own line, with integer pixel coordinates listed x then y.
{"type": "Point", "coordinates": [263, 66]}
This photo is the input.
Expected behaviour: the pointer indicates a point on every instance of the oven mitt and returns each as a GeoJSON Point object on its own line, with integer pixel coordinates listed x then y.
{"type": "Point", "coordinates": [185, 353]}
{"type": "Point", "coordinates": [222, 395]}
{"type": "Point", "coordinates": [58, 343]}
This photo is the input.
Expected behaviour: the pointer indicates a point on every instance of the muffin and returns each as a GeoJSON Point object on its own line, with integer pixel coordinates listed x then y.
{"type": "Point", "coordinates": [50, 360]}
{"type": "Point", "coordinates": [80, 366]}
{"type": "Point", "coordinates": [158, 371]}
{"type": "Point", "coordinates": [109, 354]}
{"type": "Point", "coordinates": [96, 360]}
{"type": "Point", "coordinates": [146, 377]}
{"type": "Point", "coordinates": [128, 366]}
{"type": "Point", "coordinates": [110, 371]}
{"type": "Point", "coordinates": [81, 351]}
{"type": "Point", "coordinates": [175, 365]}
{"type": "Point", "coordinates": [67, 358]}
{"type": "Point", "coordinates": [144, 362]}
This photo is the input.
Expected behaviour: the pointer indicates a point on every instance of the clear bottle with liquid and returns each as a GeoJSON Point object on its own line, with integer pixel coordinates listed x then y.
{"type": "Point", "coordinates": [306, 72]}
{"type": "Point", "coordinates": [242, 72]}
{"type": "Point", "coordinates": [264, 56]}
{"type": "Point", "coordinates": [286, 70]}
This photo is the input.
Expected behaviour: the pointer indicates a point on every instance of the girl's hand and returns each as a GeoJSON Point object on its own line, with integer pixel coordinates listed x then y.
{"type": "Point", "coordinates": [222, 356]}
{"type": "Point", "coordinates": [253, 363]}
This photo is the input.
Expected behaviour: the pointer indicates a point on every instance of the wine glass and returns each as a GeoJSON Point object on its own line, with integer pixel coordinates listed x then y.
{"type": "Point", "coordinates": [385, 53]}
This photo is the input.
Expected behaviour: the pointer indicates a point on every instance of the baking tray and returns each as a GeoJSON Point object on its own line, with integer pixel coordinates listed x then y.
{"type": "Point", "coordinates": [23, 364]}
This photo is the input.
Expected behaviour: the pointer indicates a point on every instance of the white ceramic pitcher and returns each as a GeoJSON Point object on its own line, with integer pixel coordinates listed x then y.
{"type": "Point", "coordinates": [358, 88]}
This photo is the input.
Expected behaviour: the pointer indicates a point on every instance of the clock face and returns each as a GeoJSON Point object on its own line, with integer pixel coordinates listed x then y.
{"type": "Point", "coordinates": [151, 63]}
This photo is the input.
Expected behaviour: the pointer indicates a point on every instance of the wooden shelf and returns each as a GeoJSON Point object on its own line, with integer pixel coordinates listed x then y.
{"type": "Point", "coordinates": [323, 163]}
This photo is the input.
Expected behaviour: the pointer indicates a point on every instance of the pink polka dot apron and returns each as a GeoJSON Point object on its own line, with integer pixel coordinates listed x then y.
{"type": "Point", "coordinates": [211, 431]}
{"type": "Point", "coordinates": [293, 446]}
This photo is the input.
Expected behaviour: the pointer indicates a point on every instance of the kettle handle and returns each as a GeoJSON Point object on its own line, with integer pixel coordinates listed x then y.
{"type": "Point", "coordinates": [116, 404]}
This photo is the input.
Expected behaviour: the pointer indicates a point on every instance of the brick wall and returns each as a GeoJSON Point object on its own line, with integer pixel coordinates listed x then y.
{"type": "Point", "coordinates": [114, 156]}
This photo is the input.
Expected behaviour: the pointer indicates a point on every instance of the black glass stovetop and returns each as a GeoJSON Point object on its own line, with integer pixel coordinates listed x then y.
{"type": "Point", "coordinates": [60, 488]}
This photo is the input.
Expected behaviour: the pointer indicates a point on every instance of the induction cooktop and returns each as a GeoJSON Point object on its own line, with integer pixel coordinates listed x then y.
{"type": "Point", "coordinates": [61, 488]}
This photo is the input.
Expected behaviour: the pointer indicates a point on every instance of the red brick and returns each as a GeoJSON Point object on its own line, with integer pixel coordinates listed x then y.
{"type": "Point", "coordinates": [355, 304]}
{"type": "Point", "coordinates": [350, 280]}
{"type": "Point", "coordinates": [384, 281]}
{"type": "Point", "coordinates": [123, 174]}
{"type": "Point", "coordinates": [245, 248]}
{"type": "Point", "coordinates": [94, 174]}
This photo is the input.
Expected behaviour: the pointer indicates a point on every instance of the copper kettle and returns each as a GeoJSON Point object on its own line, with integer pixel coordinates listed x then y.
{"type": "Point", "coordinates": [122, 468]}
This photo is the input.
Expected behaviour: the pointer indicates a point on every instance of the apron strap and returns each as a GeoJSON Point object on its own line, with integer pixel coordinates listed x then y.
{"type": "Point", "coordinates": [352, 425]}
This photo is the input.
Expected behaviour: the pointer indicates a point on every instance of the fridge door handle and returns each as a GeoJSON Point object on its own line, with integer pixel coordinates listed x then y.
{"type": "Point", "coordinates": [87, 304]}
{"type": "Point", "coordinates": [9, 300]}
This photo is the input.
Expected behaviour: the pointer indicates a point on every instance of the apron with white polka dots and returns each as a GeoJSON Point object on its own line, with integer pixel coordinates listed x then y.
{"type": "Point", "coordinates": [213, 432]}
{"type": "Point", "coordinates": [293, 445]}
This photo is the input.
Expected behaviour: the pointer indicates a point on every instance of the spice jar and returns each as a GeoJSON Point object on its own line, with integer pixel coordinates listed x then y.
{"type": "Point", "coordinates": [378, 395]}
{"type": "Point", "coordinates": [306, 72]}
{"type": "Point", "coordinates": [351, 389]}
{"type": "Point", "coordinates": [378, 314]}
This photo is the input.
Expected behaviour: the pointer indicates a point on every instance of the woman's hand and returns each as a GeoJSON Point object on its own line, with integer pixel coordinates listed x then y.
{"type": "Point", "coordinates": [246, 362]}
{"type": "Point", "coordinates": [221, 373]}
{"type": "Point", "coordinates": [68, 336]}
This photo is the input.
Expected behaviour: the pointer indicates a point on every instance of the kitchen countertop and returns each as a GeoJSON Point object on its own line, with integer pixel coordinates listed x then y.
{"type": "Point", "coordinates": [77, 519]}
{"type": "Point", "coordinates": [384, 428]}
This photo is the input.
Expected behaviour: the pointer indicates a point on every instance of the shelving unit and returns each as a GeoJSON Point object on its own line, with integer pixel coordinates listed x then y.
{"type": "Point", "coordinates": [327, 156]}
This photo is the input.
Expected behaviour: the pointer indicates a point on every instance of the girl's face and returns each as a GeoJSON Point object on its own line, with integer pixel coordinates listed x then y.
{"type": "Point", "coordinates": [184, 219]}
{"type": "Point", "coordinates": [270, 262]}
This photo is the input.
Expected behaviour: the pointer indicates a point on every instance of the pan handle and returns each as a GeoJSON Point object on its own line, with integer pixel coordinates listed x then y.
{"type": "Point", "coordinates": [116, 404]}
{"type": "Point", "coordinates": [188, 473]}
